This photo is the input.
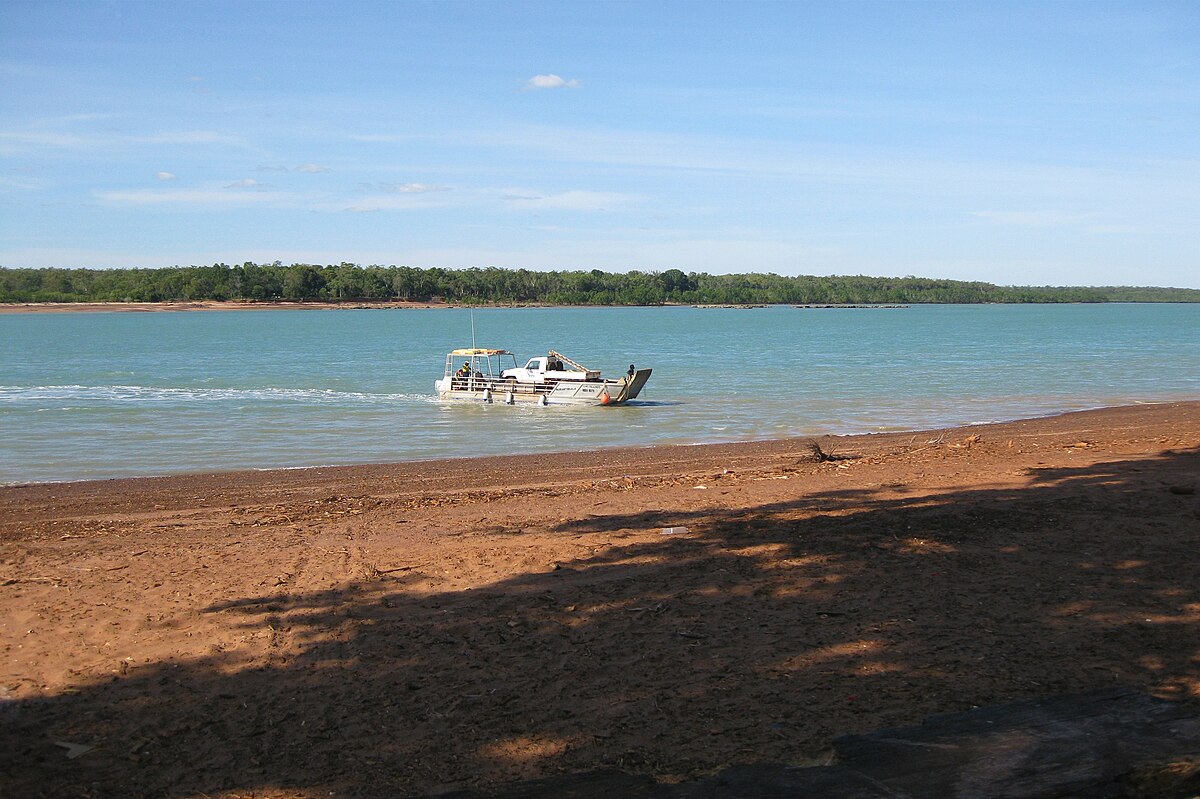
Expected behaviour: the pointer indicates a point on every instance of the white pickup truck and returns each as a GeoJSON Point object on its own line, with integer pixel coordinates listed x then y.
{"type": "Point", "coordinates": [549, 369]}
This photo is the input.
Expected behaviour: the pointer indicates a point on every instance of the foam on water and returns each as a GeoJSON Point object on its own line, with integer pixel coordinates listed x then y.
{"type": "Point", "coordinates": [150, 395]}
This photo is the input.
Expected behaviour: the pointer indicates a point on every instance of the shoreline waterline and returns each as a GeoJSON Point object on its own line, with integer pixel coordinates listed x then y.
{"type": "Point", "coordinates": [609, 454]}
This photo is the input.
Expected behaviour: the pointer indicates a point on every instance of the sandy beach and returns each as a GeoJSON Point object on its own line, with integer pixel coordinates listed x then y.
{"type": "Point", "coordinates": [413, 628]}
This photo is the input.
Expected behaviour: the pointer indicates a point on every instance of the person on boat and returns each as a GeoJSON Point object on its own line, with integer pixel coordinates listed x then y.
{"type": "Point", "coordinates": [632, 371]}
{"type": "Point", "coordinates": [463, 373]}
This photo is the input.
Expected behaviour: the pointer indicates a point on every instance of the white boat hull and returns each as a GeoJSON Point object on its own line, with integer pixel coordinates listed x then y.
{"type": "Point", "coordinates": [564, 392]}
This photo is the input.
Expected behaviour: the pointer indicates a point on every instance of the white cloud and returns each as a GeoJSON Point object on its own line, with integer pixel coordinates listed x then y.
{"type": "Point", "coordinates": [551, 82]}
{"type": "Point", "coordinates": [244, 183]}
{"type": "Point", "coordinates": [312, 169]}
{"type": "Point", "coordinates": [165, 175]}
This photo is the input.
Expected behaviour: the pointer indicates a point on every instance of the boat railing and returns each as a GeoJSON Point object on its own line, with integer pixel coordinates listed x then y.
{"type": "Point", "coordinates": [497, 385]}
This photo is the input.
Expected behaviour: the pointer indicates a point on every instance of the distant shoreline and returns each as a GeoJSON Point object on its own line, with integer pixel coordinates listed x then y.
{"type": "Point", "coordinates": [209, 305]}
{"type": "Point", "coordinates": [373, 286]}
{"type": "Point", "coordinates": [322, 305]}
{"type": "Point", "coordinates": [317, 305]}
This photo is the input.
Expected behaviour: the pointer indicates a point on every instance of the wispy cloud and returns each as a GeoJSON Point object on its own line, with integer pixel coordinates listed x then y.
{"type": "Point", "coordinates": [813, 162]}
{"type": "Point", "coordinates": [12, 141]}
{"type": "Point", "coordinates": [71, 119]}
{"type": "Point", "coordinates": [312, 169]}
{"type": "Point", "coordinates": [384, 138]}
{"type": "Point", "coordinates": [410, 196]}
{"type": "Point", "coordinates": [165, 175]}
{"type": "Point", "coordinates": [403, 188]}
{"type": "Point", "coordinates": [1045, 218]}
{"type": "Point", "coordinates": [551, 82]}
{"type": "Point", "coordinates": [250, 192]}
{"type": "Point", "coordinates": [190, 137]}
{"type": "Point", "coordinates": [215, 198]}
{"type": "Point", "coordinates": [35, 257]}
{"type": "Point", "coordinates": [576, 200]}
{"type": "Point", "coordinates": [402, 201]}
{"type": "Point", "coordinates": [17, 183]}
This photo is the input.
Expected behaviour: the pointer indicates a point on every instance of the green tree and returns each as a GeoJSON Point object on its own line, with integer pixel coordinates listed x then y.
{"type": "Point", "coordinates": [302, 282]}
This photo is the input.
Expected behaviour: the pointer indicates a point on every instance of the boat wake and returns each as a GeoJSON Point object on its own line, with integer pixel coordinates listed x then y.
{"type": "Point", "coordinates": [153, 395]}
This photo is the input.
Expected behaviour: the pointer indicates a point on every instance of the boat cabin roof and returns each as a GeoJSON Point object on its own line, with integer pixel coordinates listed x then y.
{"type": "Point", "coordinates": [479, 351]}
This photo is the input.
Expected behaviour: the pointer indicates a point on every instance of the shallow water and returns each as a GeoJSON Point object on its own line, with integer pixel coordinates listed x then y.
{"type": "Point", "coordinates": [91, 395]}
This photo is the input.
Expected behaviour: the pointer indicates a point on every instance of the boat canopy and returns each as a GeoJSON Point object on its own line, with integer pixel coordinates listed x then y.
{"type": "Point", "coordinates": [479, 351]}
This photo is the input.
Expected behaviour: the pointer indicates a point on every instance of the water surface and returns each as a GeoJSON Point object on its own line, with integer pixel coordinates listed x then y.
{"type": "Point", "coordinates": [90, 395]}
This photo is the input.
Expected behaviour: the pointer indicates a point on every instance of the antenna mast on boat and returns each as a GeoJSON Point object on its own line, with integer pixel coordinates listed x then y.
{"type": "Point", "coordinates": [472, 328]}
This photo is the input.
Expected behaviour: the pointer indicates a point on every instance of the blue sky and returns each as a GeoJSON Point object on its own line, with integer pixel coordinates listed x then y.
{"type": "Point", "coordinates": [1017, 143]}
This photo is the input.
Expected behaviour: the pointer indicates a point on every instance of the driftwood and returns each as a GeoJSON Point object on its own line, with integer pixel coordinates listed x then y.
{"type": "Point", "coordinates": [818, 454]}
{"type": "Point", "coordinates": [812, 453]}
{"type": "Point", "coordinates": [1100, 745]}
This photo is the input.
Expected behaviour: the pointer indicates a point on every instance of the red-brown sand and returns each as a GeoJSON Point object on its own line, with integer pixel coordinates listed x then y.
{"type": "Point", "coordinates": [397, 630]}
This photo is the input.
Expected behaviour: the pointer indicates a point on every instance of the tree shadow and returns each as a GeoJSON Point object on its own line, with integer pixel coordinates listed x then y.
{"type": "Point", "coordinates": [758, 635]}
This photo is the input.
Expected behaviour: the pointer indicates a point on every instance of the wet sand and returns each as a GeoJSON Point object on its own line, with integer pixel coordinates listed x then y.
{"type": "Point", "coordinates": [403, 629]}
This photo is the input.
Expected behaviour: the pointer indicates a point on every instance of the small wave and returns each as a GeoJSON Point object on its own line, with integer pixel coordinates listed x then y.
{"type": "Point", "coordinates": [293, 468]}
{"type": "Point", "coordinates": [150, 395]}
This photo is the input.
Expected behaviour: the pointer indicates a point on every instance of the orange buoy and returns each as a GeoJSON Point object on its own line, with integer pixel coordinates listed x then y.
{"type": "Point", "coordinates": [604, 398]}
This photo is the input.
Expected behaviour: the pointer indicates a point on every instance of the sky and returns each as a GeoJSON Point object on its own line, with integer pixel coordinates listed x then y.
{"type": "Point", "coordinates": [1043, 143]}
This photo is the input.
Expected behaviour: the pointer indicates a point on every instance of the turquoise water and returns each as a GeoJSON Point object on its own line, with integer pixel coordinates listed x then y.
{"type": "Point", "coordinates": [92, 395]}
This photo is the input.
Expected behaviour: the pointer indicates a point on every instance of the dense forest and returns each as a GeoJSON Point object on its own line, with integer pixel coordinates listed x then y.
{"type": "Point", "coordinates": [352, 283]}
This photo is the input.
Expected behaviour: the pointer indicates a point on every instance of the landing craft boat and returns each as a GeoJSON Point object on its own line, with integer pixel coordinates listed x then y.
{"type": "Point", "coordinates": [488, 375]}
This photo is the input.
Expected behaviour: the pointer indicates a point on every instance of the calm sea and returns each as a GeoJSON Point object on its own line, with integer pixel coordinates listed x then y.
{"type": "Point", "coordinates": [96, 395]}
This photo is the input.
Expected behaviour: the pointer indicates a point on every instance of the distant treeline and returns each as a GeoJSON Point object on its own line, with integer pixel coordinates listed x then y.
{"type": "Point", "coordinates": [350, 282]}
